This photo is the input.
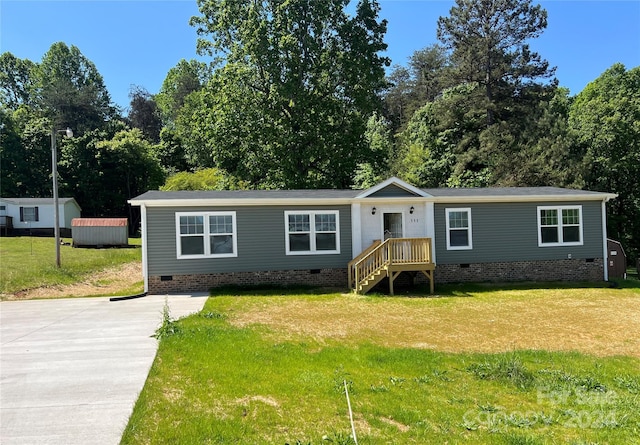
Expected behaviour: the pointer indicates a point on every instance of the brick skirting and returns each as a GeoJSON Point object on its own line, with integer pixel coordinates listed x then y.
{"type": "Point", "coordinates": [204, 282]}
{"type": "Point", "coordinates": [542, 270]}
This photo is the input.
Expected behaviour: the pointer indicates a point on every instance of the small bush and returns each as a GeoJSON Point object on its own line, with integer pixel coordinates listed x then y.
{"type": "Point", "coordinates": [505, 368]}
{"type": "Point", "coordinates": [168, 327]}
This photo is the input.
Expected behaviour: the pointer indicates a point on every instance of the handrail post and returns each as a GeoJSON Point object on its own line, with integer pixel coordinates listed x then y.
{"type": "Point", "coordinates": [357, 283]}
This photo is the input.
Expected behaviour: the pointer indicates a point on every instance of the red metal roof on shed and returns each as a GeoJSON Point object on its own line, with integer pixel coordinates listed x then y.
{"type": "Point", "coordinates": [99, 222]}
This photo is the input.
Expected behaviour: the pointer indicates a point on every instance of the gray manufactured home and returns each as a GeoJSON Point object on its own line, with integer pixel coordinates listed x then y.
{"type": "Point", "coordinates": [193, 241]}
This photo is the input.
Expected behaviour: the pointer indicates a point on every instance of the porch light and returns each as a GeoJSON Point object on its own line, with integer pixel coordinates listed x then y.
{"type": "Point", "coordinates": [411, 210]}
{"type": "Point", "coordinates": [373, 211]}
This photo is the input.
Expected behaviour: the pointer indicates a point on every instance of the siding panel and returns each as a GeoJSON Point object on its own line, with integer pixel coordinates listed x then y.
{"type": "Point", "coordinates": [100, 236]}
{"type": "Point", "coordinates": [509, 232]}
{"type": "Point", "coordinates": [391, 191]}
{"type": "Point", "coordinates": [261, 242]}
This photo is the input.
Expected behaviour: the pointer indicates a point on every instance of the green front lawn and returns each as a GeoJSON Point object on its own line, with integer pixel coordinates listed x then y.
{"type": "Point", "coordinates": [30, 262]}
{"type": "Point", "coordinates": [269, 368]}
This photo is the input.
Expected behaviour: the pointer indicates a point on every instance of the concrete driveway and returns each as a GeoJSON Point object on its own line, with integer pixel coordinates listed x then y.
{"type": "Point", "coordinates": [71, 369]}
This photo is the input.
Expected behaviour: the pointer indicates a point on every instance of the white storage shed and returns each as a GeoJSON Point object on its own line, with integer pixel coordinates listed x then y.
{"type": "Point", "coordinates": [100, 232]}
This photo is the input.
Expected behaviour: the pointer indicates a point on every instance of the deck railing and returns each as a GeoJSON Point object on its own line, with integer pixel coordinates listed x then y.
{"type": "Point", "coordinates": [391, 251]}
{"type": "Point", "coordinates": [409, 250]}
{"type": "Point", "coordinates": [6, 224]}
{"type": "Point", "coordinates": [363, 254]}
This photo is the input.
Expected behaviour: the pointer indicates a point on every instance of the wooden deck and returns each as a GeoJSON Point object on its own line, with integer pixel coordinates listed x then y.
{"type": "Point", "coordinates": [389, 259]}
{"type": "Point", "coordinates": [6, 224]}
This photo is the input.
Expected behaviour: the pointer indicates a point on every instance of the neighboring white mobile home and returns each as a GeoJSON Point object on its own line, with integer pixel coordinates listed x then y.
{"type": "Point", "coordinates": [36, 215]}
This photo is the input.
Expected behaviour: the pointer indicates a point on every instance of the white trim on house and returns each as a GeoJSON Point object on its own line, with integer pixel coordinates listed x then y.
{"type": "Point", "coordinates": [560, 225]}
{"type": "Point", "coordinates": [430, 221]}
{"type": "Point", "coordinates": [356, 230]}
{"type": "Point", "coordinates": [312, 232]}
{"type": "Point", "coordinates": [145, 247]}
{"type": "Point", "coordinates": [605, 247]}
{"type": "Point", "coordinates": [249, 202]}
{"type": "Point", "coordinates": [528, 198]}
{"type": "Point", "coordinates": [206, 235]}
{"type": "Point", "coordinates": [397, 182]}
{"type": "Point", "coordinates": [449, 229]}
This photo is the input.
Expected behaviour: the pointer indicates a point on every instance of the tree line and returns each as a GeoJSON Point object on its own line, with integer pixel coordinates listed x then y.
{"type": "Point", "coordinates": [299, 94]}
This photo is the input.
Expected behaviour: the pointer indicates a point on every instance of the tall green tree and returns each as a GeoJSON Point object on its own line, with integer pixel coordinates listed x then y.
{"type": "Point", "coordinates": [16, 81]}
{"type": "Point", "coordinates": [606, 119]}
{"type": "Point", "coordinates": [446, 144]}
{"type": "Point", "coordinates": [433, 148]}
{"type": "Point", "coordinates": [487, 127]}
{"type": "Point", "coordinates": [380, 141]}
{"type": "Point", "coordinates": [170, 152]}
{"type": "Point", "coordinates": [104, 168]}
{"type": "Point", "coordinates": [70, 91]}
{"type": "Point", "coordinates": [289, 106]}
{"type": "Point", "coordinates": [14, 165]}
{"type": "Point", "coordinates": [182, 80]}
{"type": "Point", "coordinates": [25, 154]}
{"type": "Point", "coordinates": [541, 148]}
{"type": "Point", "coordinates": [65, 89]}
{"type": "Point", "coordinates": [488, 40]}
{"type": "Point", "coordinates": [426, 75]}
{"type": "Point", "coordinates": [144, 113]}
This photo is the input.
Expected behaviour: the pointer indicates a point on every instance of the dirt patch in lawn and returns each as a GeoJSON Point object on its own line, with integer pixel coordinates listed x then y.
{"type": "Point", "coordinates": [601, 322]}
{"type": "Point", "coordinates": [106, 282]}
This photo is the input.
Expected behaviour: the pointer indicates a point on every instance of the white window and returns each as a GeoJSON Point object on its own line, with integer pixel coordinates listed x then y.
{"type": "Point", "coordinates": [459, 229]}
{"type": "Point", "coordinates": [559, 226]}
{"type": "Point", "coordinates": [206, 234]}
{"type": "Point", "coordinates": [28, 214]}
{"type": "Point", "coordinates": [312, 232]}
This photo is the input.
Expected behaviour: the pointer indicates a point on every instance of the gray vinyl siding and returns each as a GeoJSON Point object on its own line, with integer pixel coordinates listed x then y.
{"type": "Point", "coordinates": [260, 238]}
{"type": "Point", "coordinates": [509, 232]}
{"type": "Point", "coordinates": [391, 191]}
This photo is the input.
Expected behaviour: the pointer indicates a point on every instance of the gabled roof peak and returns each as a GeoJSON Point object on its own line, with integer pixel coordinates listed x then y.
{"type": "Point", "coordinates": [393, 182]}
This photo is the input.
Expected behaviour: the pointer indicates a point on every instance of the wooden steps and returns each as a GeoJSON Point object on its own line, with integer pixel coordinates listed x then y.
{"type": "Point", "coordinates": [389, 259]}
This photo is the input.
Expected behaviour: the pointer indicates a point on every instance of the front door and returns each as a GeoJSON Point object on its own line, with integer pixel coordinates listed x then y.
{"type": "Point", "coordinates": [392, 225]}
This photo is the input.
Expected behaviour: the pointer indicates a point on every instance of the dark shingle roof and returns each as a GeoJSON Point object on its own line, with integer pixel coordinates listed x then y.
{"type": "Point", "coordinates": [506, 191]}
{"type": "Point", "coordinates": [248, 194]}
{"type": "Point", "coordinates": [439, 194]}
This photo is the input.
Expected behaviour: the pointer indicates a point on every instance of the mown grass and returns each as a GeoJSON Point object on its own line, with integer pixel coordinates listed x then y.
{"type": "Point", "coordinates": [29, 262]}
{"type": "Point", "coordinates": [231, 376]}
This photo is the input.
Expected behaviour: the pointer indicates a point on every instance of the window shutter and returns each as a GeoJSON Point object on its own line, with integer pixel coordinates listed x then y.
{"type": "Point", "coordinates": [21, 214]}
{"type": "Point", "coordinates": [36, 214]}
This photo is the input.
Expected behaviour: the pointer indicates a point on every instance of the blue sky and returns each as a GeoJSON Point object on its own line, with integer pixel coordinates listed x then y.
{"type": "Point", "coordinates": [137, 42]}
